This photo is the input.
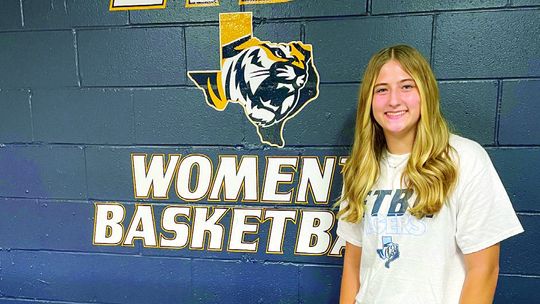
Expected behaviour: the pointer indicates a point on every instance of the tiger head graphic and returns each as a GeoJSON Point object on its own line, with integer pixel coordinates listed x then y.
{"type": "Point", "coordinates": [271, 81]}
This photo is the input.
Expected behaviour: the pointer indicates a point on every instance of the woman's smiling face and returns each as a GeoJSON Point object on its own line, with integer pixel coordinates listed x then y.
{"type": "Point", "coordinates": [396, 102]}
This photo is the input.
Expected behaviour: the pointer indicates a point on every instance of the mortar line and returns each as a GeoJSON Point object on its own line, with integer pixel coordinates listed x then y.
{"type": "Point", "coordinates": [184, 36]}
{"type": "Point", "coordinates": [45, 301]}
{"type": "Point", "coordinates": [22, 12]}
{"type": "Point", "coordinates": [298, 283]}
{"type": "Point", "coordinates": [193, 146]}
{"type": "Point", "coordinates": [433, 37]}
{"type": "Point", "coordinates": [77, 59]}
{"type": "Point", "coordinates": [520, 275]}
{"type": "Point", "coordinates": [498, 111]}
{"type": "Point", "coordinates": [85, 173]}
{"type": "Point", "coordinates": [292, 19]}
{"type": "Point", "coordinates": [133, 115]}
{"type": "Point", "coordinates": [30, 95]}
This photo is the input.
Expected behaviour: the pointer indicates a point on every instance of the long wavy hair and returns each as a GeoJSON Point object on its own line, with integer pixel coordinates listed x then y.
{"type": "Point", "coordinates": [430, 171]}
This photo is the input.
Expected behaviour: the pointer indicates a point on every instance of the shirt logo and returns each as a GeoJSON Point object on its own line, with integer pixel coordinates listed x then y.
{"type": "Point", "coordinates": [389, 251]}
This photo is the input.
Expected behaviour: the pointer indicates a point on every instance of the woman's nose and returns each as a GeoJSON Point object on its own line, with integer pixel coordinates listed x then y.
{"type": "Point", "coordinates": [394, 98]}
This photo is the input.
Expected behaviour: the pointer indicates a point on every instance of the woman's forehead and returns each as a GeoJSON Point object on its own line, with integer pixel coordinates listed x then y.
{"type": "Point", "coordinates": [392, 71]}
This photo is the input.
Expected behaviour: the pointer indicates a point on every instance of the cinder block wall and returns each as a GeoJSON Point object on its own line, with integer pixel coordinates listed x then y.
{"type": "Point", "coordinates": [81, 88]}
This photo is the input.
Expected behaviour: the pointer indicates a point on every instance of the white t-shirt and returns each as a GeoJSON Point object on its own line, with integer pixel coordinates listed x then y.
{"type": "Point", "coordinates": [406, 260]}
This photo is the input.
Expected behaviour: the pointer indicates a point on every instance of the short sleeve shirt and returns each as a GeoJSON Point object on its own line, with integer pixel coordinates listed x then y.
{"type": "Point", "coordinates": [412, 260]}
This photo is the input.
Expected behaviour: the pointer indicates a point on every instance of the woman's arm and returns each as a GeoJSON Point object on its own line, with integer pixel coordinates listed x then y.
{"type": "Point", "coordinates": [481, 279]}
{"type": "Point", "coordinates": [350, 282]}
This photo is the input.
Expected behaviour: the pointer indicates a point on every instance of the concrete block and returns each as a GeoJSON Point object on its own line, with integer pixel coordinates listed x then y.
{"type": "Point", "coordinates": [91, 116]}
{"type": "Point", "coordinates": [10, 15]}
{"type": "Point", "coordinates": [50, 225]}
{"type": "Point", "coordinates": [15, 116]}
{"type": "Point", "coordinates": [518, 121]}
{"type": "Point", "coordinates": [49, 62]}
{"type": "Point", "coordinates": [518, 253]}
{"type": "Point", "coordinates": [109, 173]}
{"type": "Point", "coordinates": [177, 12]}
{"type": "Point", "coordinates": [81, 277]}
{"type": "Point", "coordinates": [244, 282]}
{"type": "Point", "coordinates": [515, 289]}
{"type": "Point", "coordinates": [45, 14]}
{"type": "Point", "coordinates": [320, 284]}
{"type": "Point", "coordinates": [404, 6]}
{"type": "Point", "coordinates": [524, 3]}
{"type": "Point", "coordinates": [278, 32]}
{"type": "Point", "coordinates": [328, 120]}
{"type": "Point", "coordinates": [470, 108]}
{"type": "Point", "coordinates": [517, 167]}
{"type": "Point", "coordinates": [132, 57]}
{"type": "Point", "coordinates": [202, 48]}
{"type": "Point", "coordinates": [43, 172]}
{"type": "Point", "coordinates": [308, 8]}
{"type": "Point", "coordinates": [66, 14]}
{"type": "Point", "coordinates": [182, 116]}
{"type": "Point", "coordinates": [342, 48]}
{"type": "Point", "coordinates": [487, 44]}
{"type": "Point", "coordinates": [94, 13]}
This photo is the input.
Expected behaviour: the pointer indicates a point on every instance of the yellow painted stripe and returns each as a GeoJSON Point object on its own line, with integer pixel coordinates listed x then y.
{"type": "Point", "coordinates": [233, 26]}
{"type": "Point", "coordinates": [218, 102]}
{"type": "Point", "coordinates": [221, 92]}
{"type": "Point", "coordinates": [301, 58]}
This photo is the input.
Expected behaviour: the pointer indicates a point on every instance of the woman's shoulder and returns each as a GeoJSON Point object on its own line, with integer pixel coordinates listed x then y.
{"type": "Point", "coordinates": [468, 154]}
{"type": "Point", "coordinates": [466, 147]}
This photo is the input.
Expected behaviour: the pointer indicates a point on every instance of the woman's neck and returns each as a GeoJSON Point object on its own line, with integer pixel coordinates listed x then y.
{"type": "Point", "coordinates": [399, 144]}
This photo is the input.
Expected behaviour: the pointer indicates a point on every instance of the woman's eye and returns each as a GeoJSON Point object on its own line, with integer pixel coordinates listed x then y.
{"type": "Point", "coordinates": [380, 90]}
{"type": "Point", "coordinates": [408, 86]}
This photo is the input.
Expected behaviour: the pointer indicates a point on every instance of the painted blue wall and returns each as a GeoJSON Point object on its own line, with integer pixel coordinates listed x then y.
{"type": "Point", "coordinates": [81, 88]}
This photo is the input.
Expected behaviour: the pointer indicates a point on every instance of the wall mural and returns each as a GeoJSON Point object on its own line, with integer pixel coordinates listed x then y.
{"type": "Point", "coordinates": [277, 202]}
{"type": "Point", "coordinates": [271, 81]}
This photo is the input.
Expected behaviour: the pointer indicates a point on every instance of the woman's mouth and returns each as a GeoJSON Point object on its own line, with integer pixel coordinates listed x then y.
{"type": "Point", "coordinates": [395, 114]}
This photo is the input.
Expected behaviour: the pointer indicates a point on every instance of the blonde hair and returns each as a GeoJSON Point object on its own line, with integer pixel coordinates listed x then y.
{"type": "Point", "coordinates": [430, 171]}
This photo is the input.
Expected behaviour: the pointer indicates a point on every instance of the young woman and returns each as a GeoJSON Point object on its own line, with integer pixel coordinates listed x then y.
{"type": "Point", "coordinates": [422, 210]}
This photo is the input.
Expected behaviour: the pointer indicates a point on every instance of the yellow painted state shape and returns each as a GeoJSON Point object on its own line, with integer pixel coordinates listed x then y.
{"type": "Point", "coordinates": [233, 26]}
